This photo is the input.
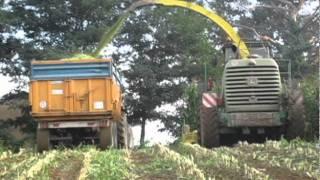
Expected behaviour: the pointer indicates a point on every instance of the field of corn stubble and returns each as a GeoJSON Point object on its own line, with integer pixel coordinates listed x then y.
{"type": "Point", "coordinates": [272, 160]}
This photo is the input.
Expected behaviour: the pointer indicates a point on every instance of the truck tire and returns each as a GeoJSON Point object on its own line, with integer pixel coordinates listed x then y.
{"type": "Point", "coordinates": [123, 133]}
{"type": "Point", "coordinates": [105, 137]}
{"type": "Point", "coordinates": [209, 127]}
{"type": "Point", "coordinates": [43, 140]}
{"type": "Point", "coordinates": [296, 115]}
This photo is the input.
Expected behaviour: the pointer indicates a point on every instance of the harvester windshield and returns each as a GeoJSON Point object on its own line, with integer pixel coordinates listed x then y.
{"type": "Point", "coordinates": [257, 50]}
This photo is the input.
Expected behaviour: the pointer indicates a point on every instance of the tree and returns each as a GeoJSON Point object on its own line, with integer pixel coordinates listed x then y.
{"type": "Point", "coordinates": [53, 30]}
{"type": "Point", "coordinates": [283, 21]}
{"type": "Point", "coordinates": [17, 101]}
{"type": "Point", "coordinates": [191, 111]}
{"type": "Point", "coordinates": [145, 93]}
{"type": "Point", "coordinates": [8, 42]}
{"type": "Point", "coordinates": [310, 87]}
{"type": "Point", "coordinates": [35, 29]}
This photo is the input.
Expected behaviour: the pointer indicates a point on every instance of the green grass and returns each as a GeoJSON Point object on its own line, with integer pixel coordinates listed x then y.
{"type": "Point", "coordinates": [273, 160]}
{"type": "Point", "coordinates": [298, 156]}
{"type": "Point", "coordinates": [109, 165]}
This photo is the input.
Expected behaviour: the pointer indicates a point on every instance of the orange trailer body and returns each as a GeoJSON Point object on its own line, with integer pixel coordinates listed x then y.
{"type": "Point", "coordinates": [75, 99]}
{"type": "Point", "coordinates": [80, 99]}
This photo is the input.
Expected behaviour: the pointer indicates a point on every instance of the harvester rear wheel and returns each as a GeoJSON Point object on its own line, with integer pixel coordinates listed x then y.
{"type": "Point", "coordinates": [296, 115]}
{"type": "Point", "coordinates": [105, 137]}
{"type": "Point", "coordinates": [43, 140]}
{"type": "Point", "coordinates": [123, 133]}
{"type": "Point", "coordinates": [209, 127]}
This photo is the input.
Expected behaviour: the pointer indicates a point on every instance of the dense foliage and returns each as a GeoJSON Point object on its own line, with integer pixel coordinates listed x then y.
{"type": "Point", "coordinates": [191, 111]}
{"type": "Point", "coordinates": [166, 52]}
{"type": "Point", "coordinates": [311, 99]}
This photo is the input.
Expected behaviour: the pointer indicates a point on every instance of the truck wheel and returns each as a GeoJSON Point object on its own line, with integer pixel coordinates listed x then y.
{"type": "Point", "coordinates": [209, 127]}
{"type": "Point", "coordinates": [123, 133]}
{"type": "Point", "coordinates": [105, 137]}
{"type": "Point", "coordinates": [296, 115]}
{"type": "Point", "coordinates": [43, 140]}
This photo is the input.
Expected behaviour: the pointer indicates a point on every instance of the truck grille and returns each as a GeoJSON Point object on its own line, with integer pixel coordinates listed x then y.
{"type": "Point", "coordinates": [249, 87]}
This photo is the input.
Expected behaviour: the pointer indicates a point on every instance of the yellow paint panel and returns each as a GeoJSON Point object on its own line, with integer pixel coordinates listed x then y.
{"type": "Point", "coordinates": [42, 91]}
{"type": "Point", "coordinates": [117, 99]}
{"type": "Point", "coordinates": [56, 93]}
{"type": "Point", "coordinates": [80, 95]}
{"type": "Point", "coordinates": [98, 96]}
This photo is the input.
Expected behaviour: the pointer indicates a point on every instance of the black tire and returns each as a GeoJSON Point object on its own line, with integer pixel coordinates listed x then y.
{"type": "Point", "coordinates": [105, 137]}
{"type": "Point", "coordinates": [296, 115]}
{"type": "Point", "coordinates": [43, 141]}
{"type": "Point", "coordinates": [122, 131]}
{"type": "Point", "coordinates": [209, 127]}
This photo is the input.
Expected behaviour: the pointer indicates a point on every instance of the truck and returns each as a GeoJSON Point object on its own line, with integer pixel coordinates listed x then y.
{"type": "Point", "coordinates": [78, 101]}
{"type": "Point", "coordinates": [254, 100]}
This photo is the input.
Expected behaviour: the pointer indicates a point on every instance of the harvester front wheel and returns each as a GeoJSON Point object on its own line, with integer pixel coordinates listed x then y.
{"type": "Point", "coordinates": [209, 127]}
{"type": "Point", "coordinates": [43, 140]}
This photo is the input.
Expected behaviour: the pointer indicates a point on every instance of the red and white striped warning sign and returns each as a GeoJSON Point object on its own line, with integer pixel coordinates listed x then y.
{"type": "Point", "coordinates": [209, 100]}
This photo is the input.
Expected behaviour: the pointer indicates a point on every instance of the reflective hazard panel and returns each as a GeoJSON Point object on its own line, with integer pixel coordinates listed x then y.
{"type": "Point", "coordinates": [209, 100]}
{"type": "Point", "coordinates": [57, 91]}
{"type": "Point", "coordinates": [98, 105]}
